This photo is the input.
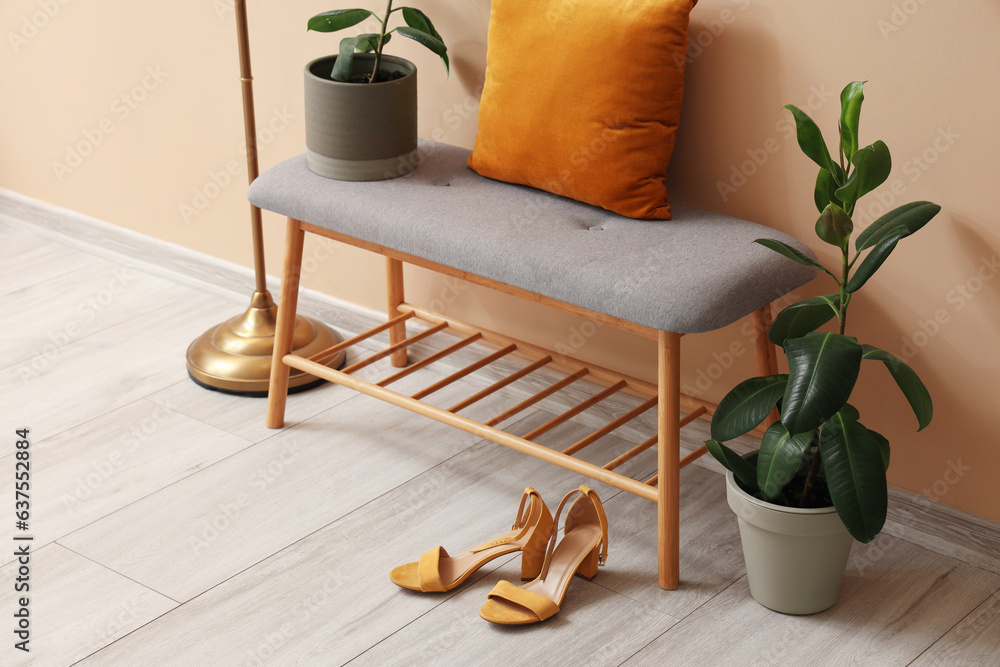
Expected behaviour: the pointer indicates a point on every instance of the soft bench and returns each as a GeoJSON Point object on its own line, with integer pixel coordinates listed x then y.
{"type": "Point", "coordinates": [661, 279]}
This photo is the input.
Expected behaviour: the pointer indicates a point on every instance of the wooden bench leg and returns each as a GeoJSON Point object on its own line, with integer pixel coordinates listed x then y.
{"type": "Point", "coordinates": [668, 454]}
{"type": "Point", "coordinates": [394, 287]}
{"type": "Point", "coordinates": [277, 392]}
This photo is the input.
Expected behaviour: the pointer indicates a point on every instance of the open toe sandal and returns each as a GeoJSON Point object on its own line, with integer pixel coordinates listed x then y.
{"type": "Point", "coordinates": [437, 572]}
{"type": "Point", "coordinates": [583, 547]}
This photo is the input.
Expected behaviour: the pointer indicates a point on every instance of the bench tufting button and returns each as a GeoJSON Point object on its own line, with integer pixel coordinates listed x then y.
{"type": "Point", "coordinates": [442, 184]}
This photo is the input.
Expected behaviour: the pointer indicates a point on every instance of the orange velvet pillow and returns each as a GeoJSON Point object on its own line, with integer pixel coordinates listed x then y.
{"type": "Point", "coordinates": [582, 98]}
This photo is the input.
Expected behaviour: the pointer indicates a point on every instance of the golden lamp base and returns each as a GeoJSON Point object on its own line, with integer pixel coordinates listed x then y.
{"type": "Point", "coordinates": [235, 356]}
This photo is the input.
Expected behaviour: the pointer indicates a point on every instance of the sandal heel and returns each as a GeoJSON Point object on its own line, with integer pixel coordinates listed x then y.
{"type": "Point", "coordinates": [588, 568]}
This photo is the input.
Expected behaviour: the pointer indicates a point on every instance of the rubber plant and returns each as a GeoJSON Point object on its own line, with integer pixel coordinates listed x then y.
{"type": "Point", "coordinates": [418, 28]}
{"type": "Point", "coordinates": [819, 439]}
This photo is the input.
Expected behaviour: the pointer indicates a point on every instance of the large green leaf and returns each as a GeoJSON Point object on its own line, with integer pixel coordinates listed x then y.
{"type": "Point", "coordinates": [417, 19]}
{"type": "Point", "coordinates": [910, 216]}
{"type": "Point", "coordinates": [855, 474]}
{"type": "Point", "coordinates": [872, 165]}
{"type": "Point", "coordinates": [742, 469]}
{"type": "Point", "coordinates": [369, 42]}
{"type": "Point", "coordinates": [883, 446]}
{"type": "Point", "coordinates": [338, 19]}
{"type": "Point", "coordinates": [877, 255]}
{"type": "Point", "coordinates": [811, 139]}
{"type": "Point", "coordinates": [826, 190]}
{"type": "Point", "coordinates": [428, 40]}
{"type": "Point", "coordinates": [345, 60]}
{"type": "Point", "coordinates": [747, 405]}
{"type": "Point", "coordinates": [850, 117]}
{"type": "Point", "coordinates": [822, 370]}
{"type": "Point", "coordinates": [803, 317]}
{"type": "Point", "coordinates": [780, 457]}
{"type": "Point", "coordinates": [913, 389]}
{"type": "Point", "coordinates": [792, 253]}
{"type": "Point", "coordinates": [835, 226]}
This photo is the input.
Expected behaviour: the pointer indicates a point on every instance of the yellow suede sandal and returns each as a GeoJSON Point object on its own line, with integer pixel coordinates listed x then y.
{"type": "Point", "coordinates": [438, 572]}
{"type": "Point", "coordinates": [583, 547]}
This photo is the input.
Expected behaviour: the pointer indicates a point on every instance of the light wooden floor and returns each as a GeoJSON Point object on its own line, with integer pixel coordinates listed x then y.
{"type": "Point", "coordinates": [172, 528]}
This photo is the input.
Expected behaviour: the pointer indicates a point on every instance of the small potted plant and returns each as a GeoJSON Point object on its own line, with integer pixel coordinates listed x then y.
{"type": "Point", "coordinates": [818, 480]}
{"type": "Point", "coordinates": [361, 105]}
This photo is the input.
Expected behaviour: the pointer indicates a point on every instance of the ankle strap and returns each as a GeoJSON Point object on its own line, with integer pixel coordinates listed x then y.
{"type": "Point", "coordinates": [602, 517]}
{"type": "Point", "coordinates": [524, 512]}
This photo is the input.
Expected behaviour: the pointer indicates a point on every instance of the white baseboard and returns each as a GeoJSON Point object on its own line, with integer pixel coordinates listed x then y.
{"type": "Point", "coordinates": [912, 517]}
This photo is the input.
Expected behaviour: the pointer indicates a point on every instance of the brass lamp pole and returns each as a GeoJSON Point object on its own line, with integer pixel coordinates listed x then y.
{"type": "Point", "coordinates": [235, 356]}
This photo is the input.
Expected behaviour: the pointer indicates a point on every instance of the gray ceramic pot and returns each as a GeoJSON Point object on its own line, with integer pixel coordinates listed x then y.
{"type": "Point", "coordinates": [361, 131]}
{"type": "Point", "coordinates": [795, 558]}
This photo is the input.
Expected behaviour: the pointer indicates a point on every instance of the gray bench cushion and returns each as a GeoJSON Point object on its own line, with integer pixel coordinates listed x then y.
{"type": "Point", "coordinates": [697, 272]}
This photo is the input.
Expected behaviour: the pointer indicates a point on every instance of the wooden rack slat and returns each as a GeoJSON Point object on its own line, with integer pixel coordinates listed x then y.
{"type": "Point", "coordinates": [574, 411]}
{"type": "Point", "coordinates": [611, 426]}
{"type": "Point", "coordinates": [472, 368]}
{"type": "Point", "coordinates": [401, 345]}
{"type": "Point", "coordinates": [423, 363]}
{"type": "Point", "coordinates": [500, 384]}
{"type": "Point", "coordinates": [545, 393]}
{"type": "Point", "coordinates": [631, 454]}
{"type": "Point", "coordinates": [616, 480]}
{"type": "Point", "coordinates": [324, 356]}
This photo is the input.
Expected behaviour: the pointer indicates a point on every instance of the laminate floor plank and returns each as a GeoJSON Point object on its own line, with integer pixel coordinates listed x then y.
{"type": "Point", "coordinates": [974, 641]}
{"type": "Point", "coordinates": [76, 607]}
{"type": "Point", "coordinates": [198, 532]}
{"type": "Point", "coordinates": [326, 599]}
{"type": "Point", "coordinates": [26, 260]}
{"type": "Point", "coordinates": [244, 416]}
{"type": "Point", "coordinates": [91, 470]}
{"type": "Point", "coordinates": [52, 313]}
{"type": "Point", "coordinates": [896, 601]}
{"type": "Point", "coordinates": [107, 370]}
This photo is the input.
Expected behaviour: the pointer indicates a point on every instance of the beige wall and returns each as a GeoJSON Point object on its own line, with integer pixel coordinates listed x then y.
{"type": "Point", "coordinates": [151, 89]}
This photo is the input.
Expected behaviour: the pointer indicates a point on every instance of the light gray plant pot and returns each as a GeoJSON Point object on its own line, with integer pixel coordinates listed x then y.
{"type": "Point", "coordinates": [361, 131]}
{"type": "Point", "coordinates": [795, 558]}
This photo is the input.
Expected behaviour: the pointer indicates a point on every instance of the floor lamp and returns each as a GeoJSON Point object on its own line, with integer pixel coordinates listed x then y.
{"type": "Point", "coordinates": [235, 356]}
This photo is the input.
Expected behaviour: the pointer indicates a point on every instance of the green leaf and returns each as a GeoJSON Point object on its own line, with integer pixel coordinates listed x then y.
{"type": "Point", "coordinates": [791, 253]}
{"type": "Point", "coordinates": [742, 469]}
{"type": "Point", "coordinates": [428, 40]}
{"type": "Point", "coordinates": [417, 19]}
{"type": "Point", "coordinates": [855, 473]}
{"type": "Point", "coordinates": [850, 411]}
{"type": "Point", "coordinates": [803, 317]}
{"type": "Point", "coordinates": [875, 258]}
{"type": "Point", "coordinates": [780, 456]}
{"type": "Point", "coordinates": [823, 368]}
{"type": "Point", "coordinates": [883, 446]}
{"type": "Point", "coordinates": [835, 226]}
{"type": "Point", "coordinates": [909, 383]}
{"type": "Point", "coordinates": [338, 19]}
{"type": "Point", "coordinates": [345, 61]}
{"type": "Point", "coordinates": [826, 190]}
{"type": "Point", "coordinates": [369, 42]}
{"type": "Point", "coordinates": [850, 117]}
{"type": "Point", "coordinates": [872, 165]}
{"type": "Point", "coordinates": [811, 139]}
{"type": "Point", "coordinates": [910, 216]}
{"type": "Point", "coordinates": [746, 405]}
